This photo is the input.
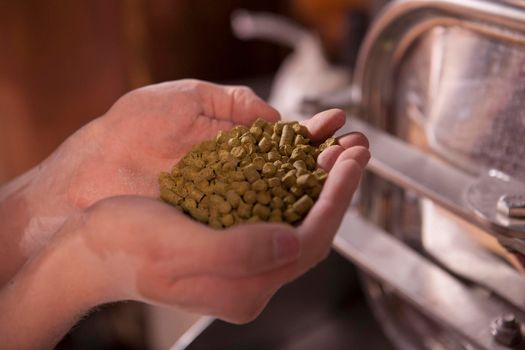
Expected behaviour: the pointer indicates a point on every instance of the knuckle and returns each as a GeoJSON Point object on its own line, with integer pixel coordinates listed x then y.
{"type": "Point", "coordinates": [242, 91]}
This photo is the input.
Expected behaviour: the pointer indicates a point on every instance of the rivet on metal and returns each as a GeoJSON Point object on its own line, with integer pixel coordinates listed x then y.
{"type": "Point", "coordinates": [512, 205]}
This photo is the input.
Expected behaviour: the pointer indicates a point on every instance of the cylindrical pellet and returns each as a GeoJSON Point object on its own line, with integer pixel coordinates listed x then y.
{"type": "Point", "coordinates": [300, 129]}
{"type": "Point", "coordinates": [250, 173]}
{"type": "Point", "coordinates": [299, 140]}
{"type": "Point", "coordinates": [233, 142]}
{"type": "Point", "coordinates": [261, 211]}
{"type": "Point", "coordinates": [170, 196]}
{"type": "Point", "coordinates": [224, 207]}
{"type": "Point", "coordinates": [250, 197]}
{"type": "Point", "coordinates": [274, 182]}
{"type": "Point", "coordinates": [238, 152]}
{"type": "Point", "coordinates": [276, 203]}
{"type": "Point", "coordinates": [227, 220]}
{"type": "Point", "coordinates": [278, 192]}
{"type": "Point", "coordinates": [273, 156]}
{"type": "Point", "coordinates": [263, 172]}
{"type": "Point", "coordinates": [240, 187]}
{"type": "Point", "coordinates": [299, 164]}
{"type": "Point", "coordinates": [307, 181]}
{"type": "Point", "coordinates": [244, 210]}
{"type": "Point", "coordinates": [289, 179]}
{"type": "Point", "coordinates": [259, 185]}
{"type": "Point", "coordinates": [297, 154]}
{"type": "Point", "coordinates": [200, 214]}
{"type": "Point", "coordinates": [291, 216]}
{"type": "Point", "coordinates": [269, 169]}
{"type": "Point", "coordinates": [265, 145]}
{"type": "Point", "coordinates": [233, 198]}
{"type": "Point", "coordinates": [189, 204]}
{"type": "Point", "coordinates": [289, 199]}
{"type": "Point", "coordinates": [287, 135]}
{"type": "Point", "coordinates": [264, 198]}
{"type": "Point", "coordinates": [248, 139]}
{"type": "Point", "coordinates": [256, 131]}
{"type": "Point", "coordinates": [196, 194]}
{"type": "Point", "coordinates": [258, 162]}
{"type": "Point", "coordinates": [303, 205]}
{"type": "Point", "coordinates": [296, 191]}
{"type": "Point", "coordinates": [310, 162]}
{"type": "Point", "coordinates": [220, 187]}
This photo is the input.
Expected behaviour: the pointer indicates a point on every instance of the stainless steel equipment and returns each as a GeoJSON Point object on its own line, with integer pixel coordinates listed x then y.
{"type": "Point", "coordinates": [441, 85]}
{"type": "Point", "coordinates": [439, 230]}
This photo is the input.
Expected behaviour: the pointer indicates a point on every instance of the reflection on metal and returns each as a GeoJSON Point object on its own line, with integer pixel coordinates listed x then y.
{"type": "Point", "coordinates": [448, 77]}
{"type": "Point", "coordinates": [485, 197]}
{"type": "Point", "coordinates": [445, 240]}
{"type": "Point", "coordinates": [433, 291]}
{"type": "Point", "coordinates": [506, 330]}
{"type": "Point", "coordinates": [459, 66]}
{"type": "Point", "coordinates": [190, 335]}
{"type": "Point", "coordinates": [412, 169]}
{"type": "Point", "coordinates": [512, 205]}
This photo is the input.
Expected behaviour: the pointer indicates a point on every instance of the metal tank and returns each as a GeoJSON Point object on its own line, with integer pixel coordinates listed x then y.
{"type": "Point", "coordinates": [439, 88]}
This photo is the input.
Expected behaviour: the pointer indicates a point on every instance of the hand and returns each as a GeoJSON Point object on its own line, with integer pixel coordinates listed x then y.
{"type": "Point", "coordinates": [139, 248]}
{"type": "Point", "coordinates": [145, 250]}
{"type": "Point", "coordinates": [122, 152]}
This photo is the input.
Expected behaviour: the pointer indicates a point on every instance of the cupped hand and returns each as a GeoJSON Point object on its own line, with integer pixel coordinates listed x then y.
{"type": "Point", "coordinates": [144, 132]}
{"type": "Point", "coordinates": [122, 152]}
{"type": "Point", "coordinates": [143, 249]}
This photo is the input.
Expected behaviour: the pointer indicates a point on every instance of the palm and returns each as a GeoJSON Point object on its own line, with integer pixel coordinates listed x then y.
{"type": "Point", "coordinates": [147, 132]}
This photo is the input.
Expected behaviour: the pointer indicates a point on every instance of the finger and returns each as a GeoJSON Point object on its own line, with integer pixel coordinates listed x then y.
{"type": "Point", "coordinates": [353, 139]}
{"type": "Point", "coordinates": [238, 104]}
{"type": "Point", "coordinates": [250, 249]}
{"type": "Point", "coordinates": [360, 154]}
{"type": "Point", "coordinates": [327, 158]}
{"type": "Point", "coordinates": [325, 124]}
{"type": "Point", "coordinates": [323, 220]}
{"type": "Point", "coordinates": [239, 251]}
{"type": "Point", "coordinates": [234, 300]}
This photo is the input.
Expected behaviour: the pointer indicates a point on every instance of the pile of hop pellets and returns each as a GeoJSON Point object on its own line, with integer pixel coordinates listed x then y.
{"type": "Point", "coordinates": [267, 172]}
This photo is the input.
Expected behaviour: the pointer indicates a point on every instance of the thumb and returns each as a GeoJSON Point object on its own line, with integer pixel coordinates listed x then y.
{"type": "Point", "coordinates": [249, 249]}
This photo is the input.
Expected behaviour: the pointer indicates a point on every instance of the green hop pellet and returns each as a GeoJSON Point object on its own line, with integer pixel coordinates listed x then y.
{"type": "Point", "coordinates": [265, 172]}
{"type": "Point", "coordinates": [303, 205]}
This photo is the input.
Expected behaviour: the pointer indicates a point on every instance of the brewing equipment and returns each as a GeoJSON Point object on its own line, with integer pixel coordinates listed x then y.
{"type": "Point", "coordinates": [438, 230]}
{"type": "Point", "coordinates": [440, 85]}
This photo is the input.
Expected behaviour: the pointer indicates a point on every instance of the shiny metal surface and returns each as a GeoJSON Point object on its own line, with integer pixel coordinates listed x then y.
{"type": "Point", "coordinates": [457, 69]}
{"type": "Point", "coordinates": [437, 294]}
{"type": "Point", "coordinates": [506, 330]}
{"type": "Point", "coordinates": [190, 335]}
{"type": "Point", "coordinates": [446, 77]}
{"type": "Point", "coordinates": [445, 240]}
{"type": "Point", "coordinates": [512, 205]}
{"type": "Point", "coordinates": [484, 195]}
{"type": "Point", "coordinates": [459, 192]}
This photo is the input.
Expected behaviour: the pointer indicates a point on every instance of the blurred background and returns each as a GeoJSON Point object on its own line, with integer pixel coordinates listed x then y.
{"type": "Point", "coordinates": [63, 63]}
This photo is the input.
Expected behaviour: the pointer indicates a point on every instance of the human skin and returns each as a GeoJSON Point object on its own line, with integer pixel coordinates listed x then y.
{"type": "Point", "coordinates": [84, 228]}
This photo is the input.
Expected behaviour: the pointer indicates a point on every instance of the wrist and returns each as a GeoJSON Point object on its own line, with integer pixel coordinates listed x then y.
{"type": "Point", "coordinates": [49, 294]}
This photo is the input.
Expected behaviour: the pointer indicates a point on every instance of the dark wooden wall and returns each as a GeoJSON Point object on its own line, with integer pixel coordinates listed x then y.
{"type": "Point", "coordinates": [63, 62]}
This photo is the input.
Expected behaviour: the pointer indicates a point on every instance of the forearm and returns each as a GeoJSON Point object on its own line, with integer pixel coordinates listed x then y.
{"type": "Point", "coordinates": [33, 206]}
{"type": "Point", "coordinates": [48, 295]}
{"type": "Point", "coordinates": [15, 216]}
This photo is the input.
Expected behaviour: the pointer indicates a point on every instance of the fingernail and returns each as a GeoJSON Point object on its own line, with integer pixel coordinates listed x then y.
{"type": "Point", "coordinates": [286, 247]}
